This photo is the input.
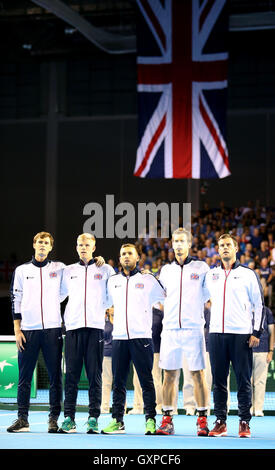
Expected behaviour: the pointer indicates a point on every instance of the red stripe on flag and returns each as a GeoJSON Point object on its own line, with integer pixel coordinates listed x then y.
{"type": "Point", "coordinates": [214, 134]}
{"type": "Point", "coordinates": [182, 90]}
{"type": "Point", "coordinates": [153, 141]}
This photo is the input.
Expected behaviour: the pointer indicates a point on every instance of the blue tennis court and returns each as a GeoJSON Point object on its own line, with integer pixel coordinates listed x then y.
{"type": "Point", "coordinates": [262, 429]}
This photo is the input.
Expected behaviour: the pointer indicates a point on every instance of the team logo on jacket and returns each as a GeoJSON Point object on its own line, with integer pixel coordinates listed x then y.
{"type": "Point", "coordinates": [215, 277]}
{"type": "Point", "coordinates": [98, 276]}
{"type": "Point", "coordinates": [194, 276]}
{"type": "Point", "coordinates": [139, 286]}
{"type": "Point", "coordinates": [52, 274]}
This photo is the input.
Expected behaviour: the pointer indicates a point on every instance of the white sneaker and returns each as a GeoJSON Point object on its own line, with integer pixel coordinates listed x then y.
{"type": "Point", "coordinates": [190, 412]}
{"type": "Point", "coordinates": [259, 413]}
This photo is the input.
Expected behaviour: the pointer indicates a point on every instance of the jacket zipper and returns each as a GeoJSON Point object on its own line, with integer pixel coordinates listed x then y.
{"type": "Point", "coordinates": [180, 296]}
{"type": "Point", "coordinates": [41, 298]}
{"type": "Point", "coordinates": [127, 281]}
{"type": "Point", "coordinates": [85, 314]}
{"type": "Point", "coordinates": [224, 288]}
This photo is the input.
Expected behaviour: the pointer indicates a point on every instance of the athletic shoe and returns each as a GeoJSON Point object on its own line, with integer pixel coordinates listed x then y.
{"type": "Point", "coordinates": [167, 427]}
{"type": "Point", "coordinates": [219, 429]}
{"type": "Point", "coordinates": [114, 427]}
{"type": "Point", "coordinates": [150, 427]}
{"type": "Point", "coordinates": [92, 426]}
{"type": "Point", "coordinates": [52, 425]}
{"type": "Point", "coordinates": [259, 413]}
{"type": "Point", "coordinates": [19, 425]}
{"type": "Point", "coordinates": [68, 426]}
{"type": "Point", "coordinates": [244, 430]}
{"type": "Point", "coordinates": [202, 428]}
{"type": "Point", "coordinates": [190, 411]}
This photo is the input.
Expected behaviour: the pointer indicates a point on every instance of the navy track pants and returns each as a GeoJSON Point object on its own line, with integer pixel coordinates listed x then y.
{"type": "Point", "coordinates": [140, 351]}
{"type": "Point", "coordinates": [50, 342]}
{"type": "Point", "coordinates": [223, 349]}
{"type": "Point", "coordinates": [83, 345]}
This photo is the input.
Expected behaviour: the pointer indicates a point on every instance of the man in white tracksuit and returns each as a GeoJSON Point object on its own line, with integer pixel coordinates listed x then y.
{"type": "Point", "coordinates": [133, 295]}
{"type": "Point", "coordinates": [183, 333]}
{"type": "Point", "coordinates": [35, 296]}
{"type": "Point", "coordinates": [236, 322]}
{"type": "Point", "coordinates": [85, 284]}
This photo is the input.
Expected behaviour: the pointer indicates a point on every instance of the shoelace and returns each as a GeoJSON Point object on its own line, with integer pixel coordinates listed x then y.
{"type": "Point", "coordinates": [166, 420]}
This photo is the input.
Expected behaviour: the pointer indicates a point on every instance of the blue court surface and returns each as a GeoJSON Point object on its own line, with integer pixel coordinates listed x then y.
{"type": "Point", "coordinates": [262, 430]}
{"type": "Point", "coordinates": [134, 448]}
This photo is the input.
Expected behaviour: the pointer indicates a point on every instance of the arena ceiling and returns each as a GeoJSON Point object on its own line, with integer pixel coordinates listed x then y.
{"type": "Point", "coordinates": [55, 27]}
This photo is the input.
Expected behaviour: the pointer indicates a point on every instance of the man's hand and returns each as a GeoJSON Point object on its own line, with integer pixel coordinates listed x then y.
{"type": "Point", "coordinates": [253, 342]}
{"type": "Point", "coordinates": [99, 261]}
{"type": "Point", "coordinates": [145, 271]}
{"type": "Point", "coordinates": [269, 357]}
{"type": "Point", "coordinates": [20, 339]}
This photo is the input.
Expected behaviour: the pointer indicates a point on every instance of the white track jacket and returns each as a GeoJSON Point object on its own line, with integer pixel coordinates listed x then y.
{"type": "Point", "coordinates": [35, 294]}
{"type": "Point", "coordinates": [86, 287]}
{"type": "Point", "coordinates": [133, 297]}
{"type": "Point", "coordinates": [185, 296]}
{"type": "Point", "coordinates": [236, 300]}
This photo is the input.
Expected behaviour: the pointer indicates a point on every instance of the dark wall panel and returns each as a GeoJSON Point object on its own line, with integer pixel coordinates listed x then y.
{"type": "Point", "coordinates": [89, 168]}
{"type": "Point", "coordinates": [22, 150]}
{"type": "Point", "coordinates": [247, 142]}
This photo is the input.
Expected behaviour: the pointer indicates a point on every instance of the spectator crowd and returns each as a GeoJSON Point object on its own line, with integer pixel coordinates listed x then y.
{"type": "Point", "coordinates": [253, 226]}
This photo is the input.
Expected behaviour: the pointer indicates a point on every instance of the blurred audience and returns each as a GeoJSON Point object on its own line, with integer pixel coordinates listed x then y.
{"type": "Point", "coordinates": [253, 225]}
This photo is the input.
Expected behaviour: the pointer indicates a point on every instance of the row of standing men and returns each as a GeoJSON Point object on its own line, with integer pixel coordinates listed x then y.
{"type": "Point", "coordinates": [236, 323]}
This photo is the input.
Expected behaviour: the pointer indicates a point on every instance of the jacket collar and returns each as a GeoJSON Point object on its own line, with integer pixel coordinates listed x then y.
{"type": "Point", "coordinates": [234, 265]}
{"type": "Point", "coordinates": [40, 264]}
{"type": "Point", "coordinates": [92, 261]}
{"type": "Point", "coordinates": [186, 261]}
{"type": "Point", "coordinates": [132, 273]}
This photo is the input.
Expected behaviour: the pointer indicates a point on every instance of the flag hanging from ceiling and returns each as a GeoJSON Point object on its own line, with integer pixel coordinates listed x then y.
{"type": "Point", "coordinates": [182, 87]}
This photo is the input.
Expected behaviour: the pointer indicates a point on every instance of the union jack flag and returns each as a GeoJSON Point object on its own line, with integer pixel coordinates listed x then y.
{"type": "Point", "coordinates": [182, 85]}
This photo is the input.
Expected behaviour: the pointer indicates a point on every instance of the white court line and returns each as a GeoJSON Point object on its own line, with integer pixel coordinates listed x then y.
{"type": "Point", "coordinates": [38, 424]}
{"type": "Point", "coordinates": [15, 413]}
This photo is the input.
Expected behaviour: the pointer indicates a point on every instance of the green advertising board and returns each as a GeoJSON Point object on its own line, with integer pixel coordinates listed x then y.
{"type": "Point", "coordinates": [9, 371]}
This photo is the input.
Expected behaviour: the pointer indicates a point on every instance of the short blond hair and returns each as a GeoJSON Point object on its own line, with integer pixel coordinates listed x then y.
{"type": "Point", "coordinates": [43, 235]}
{"type": "Point", "coordinates": [87, 235]}
{"type": "Point", "coordinates": [183, 231]}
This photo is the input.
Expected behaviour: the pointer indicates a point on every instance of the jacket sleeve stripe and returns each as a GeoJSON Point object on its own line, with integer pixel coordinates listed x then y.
{"type": "Point", "coordinates": [263, 306]}
{"type": "Point", "coordinates": [15, 315]}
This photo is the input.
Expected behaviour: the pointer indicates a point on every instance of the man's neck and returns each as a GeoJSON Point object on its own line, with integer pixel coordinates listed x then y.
{"type": "Point", "coordinates": [181, 259]}
{"type": "Point", "coordinates": [128, 270]}
{"type": "Point", "coordinates": [40, 259]}
{"type": "Point", "coordinates": [86, 260]}
{"type": "Point", "coordinates": [228, 264]}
